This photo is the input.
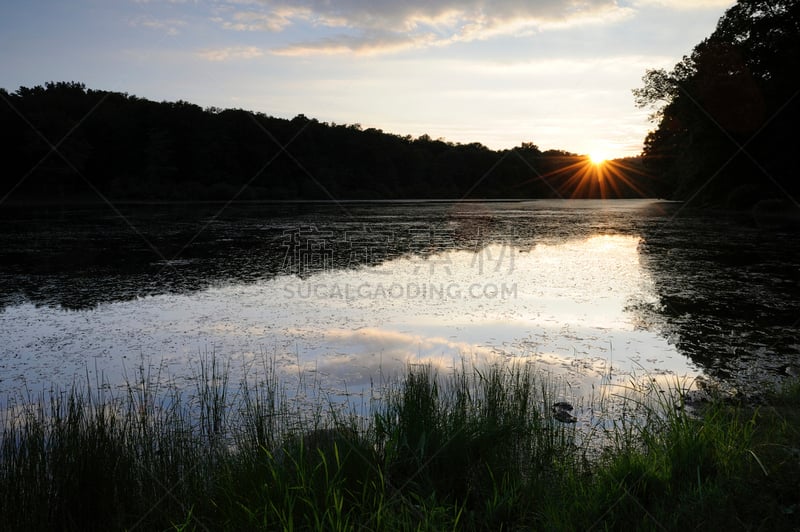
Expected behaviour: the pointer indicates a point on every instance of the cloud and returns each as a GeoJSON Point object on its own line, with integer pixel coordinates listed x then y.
{"type": "Point", "coordinates": [387, 25]}
{"type": "Point", "coordinates": [686, 5]}
{"type": "Point", "coordinates": [230, 52]}
{"type": "Point", "coordinates": [369, 43]}
{"type": "Point", "coordinates": [273, 21]}
{"type": "Point", "coordinates": [168, 26]}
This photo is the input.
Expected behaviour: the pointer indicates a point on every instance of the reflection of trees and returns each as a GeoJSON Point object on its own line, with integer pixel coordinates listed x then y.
{"type": "Point", "coordinates": [728, 293]}
{"type": "Point", "coordinates": [81, 258]}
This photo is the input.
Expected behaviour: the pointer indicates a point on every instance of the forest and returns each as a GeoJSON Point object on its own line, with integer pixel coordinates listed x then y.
{"type": "Point", "coordinates": [724, 136]}
{"type": "Point", "coordinates": [727, 113]}
{"type": "Point", "coordinates": [62, 141]}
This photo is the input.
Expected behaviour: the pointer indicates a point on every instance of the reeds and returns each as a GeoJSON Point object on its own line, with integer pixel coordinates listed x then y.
{"type": "Point", "coordinates": [477, 448]}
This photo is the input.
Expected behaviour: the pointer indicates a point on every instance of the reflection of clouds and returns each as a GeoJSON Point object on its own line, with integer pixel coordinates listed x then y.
{"type": "Point", "coordinates": [374, 339]}
{"type": "Point", "coordinates": [355, 356]}
{"type": "Point", "coordinates": [587, 282]}
{"type": "Point", "coordinates": [570, 305]}
{"type": "Point", "coordinates": [567, 310]}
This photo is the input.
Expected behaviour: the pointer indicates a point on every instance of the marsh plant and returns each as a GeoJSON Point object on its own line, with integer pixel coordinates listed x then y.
{"type": "Point", "coordinates": [474, 448]}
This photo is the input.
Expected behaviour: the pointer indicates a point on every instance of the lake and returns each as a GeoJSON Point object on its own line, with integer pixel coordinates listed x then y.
{"type": "Point", "coordinates": [593, 292]}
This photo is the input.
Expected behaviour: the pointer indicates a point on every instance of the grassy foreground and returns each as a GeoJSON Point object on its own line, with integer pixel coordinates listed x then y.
{"type": "Point", "coordinates": [471, 450]}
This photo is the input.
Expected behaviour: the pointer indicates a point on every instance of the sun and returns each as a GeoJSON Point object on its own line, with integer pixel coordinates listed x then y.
{"type": "Point", "coordinates": [597, 173]}
{"type": "Point", "coordinates": [598, 157]}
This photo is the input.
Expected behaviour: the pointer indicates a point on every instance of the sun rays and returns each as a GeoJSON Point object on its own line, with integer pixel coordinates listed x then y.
{"type": "Point", "coordinates": [595, 176]}
{"type": "Point", "coordinates": [598, 177]}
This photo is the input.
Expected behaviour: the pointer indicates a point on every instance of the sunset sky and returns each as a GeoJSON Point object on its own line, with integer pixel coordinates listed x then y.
{"type": "Point", "coordinates": [557, 73]}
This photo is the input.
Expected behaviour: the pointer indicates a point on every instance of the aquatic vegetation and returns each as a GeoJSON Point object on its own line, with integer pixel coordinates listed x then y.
{"type": "Point", "coordinates": [476, 448]}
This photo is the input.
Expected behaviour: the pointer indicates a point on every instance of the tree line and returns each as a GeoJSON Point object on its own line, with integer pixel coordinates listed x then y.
{"type": "Point", "coordinates": [727, 114]}
{"type": "Point", "coordinates": [62, 141]}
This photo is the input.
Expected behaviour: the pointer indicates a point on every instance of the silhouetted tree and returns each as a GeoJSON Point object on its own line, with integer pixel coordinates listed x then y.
{"type": "Point", "coordinates": [64, 141]}
{"type": "Point", "coordinates": [727, 113]}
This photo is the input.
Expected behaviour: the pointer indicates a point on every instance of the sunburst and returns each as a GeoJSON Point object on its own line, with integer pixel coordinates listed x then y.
{"type": "Point", "coordinates": [594, 176]}
{"type": "Point", "coordinates": [598, 158]}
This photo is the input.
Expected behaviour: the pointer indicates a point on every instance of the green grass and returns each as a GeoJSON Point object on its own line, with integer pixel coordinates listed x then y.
{"type": "Point", "coordinates": [475, 449]}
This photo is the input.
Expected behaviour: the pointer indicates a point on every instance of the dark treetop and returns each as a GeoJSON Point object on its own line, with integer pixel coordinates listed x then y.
{"type": "Point", "coordinates": [64, 142]}
{"type": "Point", "coordinates": [727, 114]}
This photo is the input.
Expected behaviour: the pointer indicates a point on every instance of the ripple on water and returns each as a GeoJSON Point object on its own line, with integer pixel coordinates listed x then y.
{"type": "Point", "coordinates": [596, 293]}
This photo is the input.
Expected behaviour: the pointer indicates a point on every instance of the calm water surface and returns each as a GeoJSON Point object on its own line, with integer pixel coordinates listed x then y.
{"type": "Point", "coordinates": [594, 292]}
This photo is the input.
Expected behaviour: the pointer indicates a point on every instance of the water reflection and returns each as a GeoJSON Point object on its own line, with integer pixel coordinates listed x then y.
{"type": "Point", "coordinates": [83, 257]}
{"type": "Point", "coordinates": [592, 290]}
{"type": "Point", "coordinates": [562, 306]}
{"type": "Point", "coordinates": [727, 294]}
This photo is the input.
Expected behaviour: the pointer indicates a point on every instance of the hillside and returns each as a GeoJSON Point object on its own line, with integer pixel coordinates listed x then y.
{"type": "Point", "coordinates": [64, 142]}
